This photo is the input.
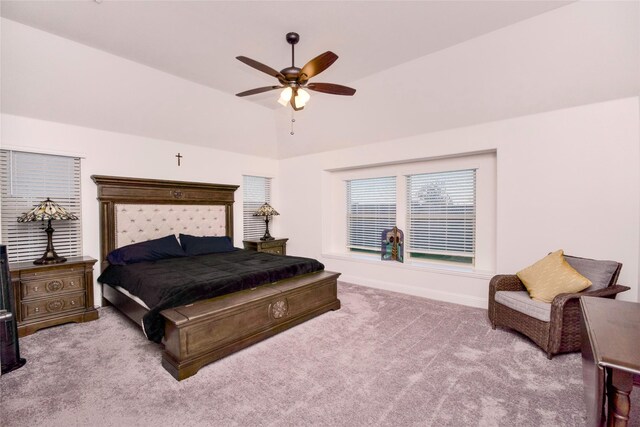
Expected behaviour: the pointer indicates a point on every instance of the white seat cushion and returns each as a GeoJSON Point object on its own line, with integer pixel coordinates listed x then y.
{"type": "Point", "coordinates": [520, 301]}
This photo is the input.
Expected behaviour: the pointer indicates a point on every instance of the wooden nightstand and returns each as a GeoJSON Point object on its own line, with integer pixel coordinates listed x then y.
{"type": "Point", "coordinates": [48, 295]}
{"type": "Point", "coordinates": [276, 246]}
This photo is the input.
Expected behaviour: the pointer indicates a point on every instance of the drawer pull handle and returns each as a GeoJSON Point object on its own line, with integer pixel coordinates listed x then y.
{"type": "Point", "coordinates": [71, 283]}
{"type": "Point", "coordinates": [35, 289]}
{"type": "Point", "coordinates": [73, 303]}
{"type": "Point", "coordinates": [37, 310]}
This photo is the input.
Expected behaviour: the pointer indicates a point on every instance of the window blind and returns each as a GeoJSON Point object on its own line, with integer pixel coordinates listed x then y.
{"type": "Point", "coordinates": [27, 180]}
{"type": "Point", "coordinates": [442, 213]}
{"type": "Point", "coordinates": [256, 191]}
{"type": "Point", "coordinates": [371, 207]}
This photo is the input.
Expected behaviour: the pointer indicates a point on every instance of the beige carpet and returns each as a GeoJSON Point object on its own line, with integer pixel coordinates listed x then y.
{"type": "Point", "coordinates": [383, 359]}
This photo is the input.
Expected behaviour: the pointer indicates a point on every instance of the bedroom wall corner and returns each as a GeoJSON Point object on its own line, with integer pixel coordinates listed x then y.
{"type": "Point", "coordinates": [565, 179]}
{"type": "Point", "coordinates": [63, 97]}
{"type": "Point", "coordinates": [110, 153]}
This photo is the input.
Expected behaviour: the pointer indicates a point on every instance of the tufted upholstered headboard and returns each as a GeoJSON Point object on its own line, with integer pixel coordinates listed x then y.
{"type": "Point", "coordinates": [134, 210]}
{"type": "Point", "coordinates": [138, 223]}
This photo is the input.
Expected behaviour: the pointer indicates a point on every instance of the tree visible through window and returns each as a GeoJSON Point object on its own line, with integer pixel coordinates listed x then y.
{"type": "Point", "coordinates": [441, 215]}
{"type": "Point", "coordinates": [440, 211]}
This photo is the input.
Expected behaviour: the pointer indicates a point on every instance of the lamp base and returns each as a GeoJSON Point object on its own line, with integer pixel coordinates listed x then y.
{"type": "Point", "coordinates": [267, 235]}
{"type": "Point", "coordinates": [50, 256]}
{"type": "Point", "coordinates": [46, 259]}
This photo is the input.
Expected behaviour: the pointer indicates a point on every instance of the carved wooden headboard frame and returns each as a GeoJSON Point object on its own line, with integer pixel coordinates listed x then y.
{"type": "Point", "coordinates": [114, 190]}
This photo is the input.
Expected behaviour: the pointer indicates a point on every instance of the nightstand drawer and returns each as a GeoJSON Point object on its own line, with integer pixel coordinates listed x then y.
{"type": "Point", "coordinates": [52, 294]}
{"type": "Point", "coordinates": [275, 246]}
{"type": "Point", "coordinates": [275, 250]}
{"type": "Point", "coordinates": [49, 306]}
{"type": "Point", "coordinates": [50, 286]}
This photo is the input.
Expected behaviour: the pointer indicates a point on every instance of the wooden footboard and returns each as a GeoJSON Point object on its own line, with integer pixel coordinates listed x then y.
{"type": "Point", "coordinates": [203, 332]}
{"type": "Point", "coordinates": [208, 330]}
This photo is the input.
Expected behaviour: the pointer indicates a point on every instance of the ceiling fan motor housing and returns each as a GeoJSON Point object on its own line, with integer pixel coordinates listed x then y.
{"type": "Point", "coordinates": [293, 38]}
{"type": "Point", "coordinates": [291, 73]}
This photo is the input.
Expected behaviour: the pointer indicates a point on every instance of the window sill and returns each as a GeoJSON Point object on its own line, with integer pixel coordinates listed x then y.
{"type": "Point", "coordinates": [413, 265]}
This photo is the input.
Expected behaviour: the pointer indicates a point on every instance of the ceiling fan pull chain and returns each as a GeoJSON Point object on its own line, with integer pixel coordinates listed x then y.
{"type": "Point", "coordinates": [292, 122]}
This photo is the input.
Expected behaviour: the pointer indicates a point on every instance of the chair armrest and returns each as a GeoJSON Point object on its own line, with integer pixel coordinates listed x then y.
{"type": "Point", "coordinates": [505, 282]}
{"type": "Point", "coordinates": [608, 292]}
{"type": "Point", "coordinates": [566, 312]}
{"type": "Point", "coordinates": [501, 282]}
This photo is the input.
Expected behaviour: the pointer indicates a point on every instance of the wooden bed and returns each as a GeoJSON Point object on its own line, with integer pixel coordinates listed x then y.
{"type": "Point", "coordinates": [133, 210]}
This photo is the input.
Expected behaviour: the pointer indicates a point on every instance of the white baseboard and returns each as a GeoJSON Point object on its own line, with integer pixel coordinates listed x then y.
{"type": "Point", "coordinates": [417, 291]}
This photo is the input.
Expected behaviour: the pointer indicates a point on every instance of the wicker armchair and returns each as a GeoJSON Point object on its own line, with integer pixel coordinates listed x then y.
{"type": "Point", "coordinates": [561, 334]}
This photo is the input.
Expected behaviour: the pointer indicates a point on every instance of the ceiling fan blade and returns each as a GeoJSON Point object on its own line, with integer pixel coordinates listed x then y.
{"type": "Point", "coordinates": [258, 90]}
{"type": "Point", "coordinates": [293, 98]}
{"type": "Point", "coordinates": [331, 88]}
{"type": "Point", "coordinates": [260, 67]}
{"type": "Point", "coordinates": [317, 65]}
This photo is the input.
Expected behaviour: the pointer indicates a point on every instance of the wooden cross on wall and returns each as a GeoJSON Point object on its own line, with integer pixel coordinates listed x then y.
{"type": "Point", "coordinates": [179, 157]}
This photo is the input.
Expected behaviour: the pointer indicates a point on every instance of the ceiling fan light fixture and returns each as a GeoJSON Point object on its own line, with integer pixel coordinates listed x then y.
{"type": "Point", "coordinates": [302, 98]}
{"type": "Point", "coordinates": [285, 96]}
{"type": "Point", "coordinates": [292, 79]}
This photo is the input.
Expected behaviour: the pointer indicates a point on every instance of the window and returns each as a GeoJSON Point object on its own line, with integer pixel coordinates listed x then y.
{"type": "Point", "coordinates": [371, 207]}
{"type": "Point", "coordinates": [256, 191]}
{"type": "Point", "coordinates": [446, 207]}
{"type": "Point", "coordinates": [28, 179]}
{"type": "Point", "coordinates": [441, 215]}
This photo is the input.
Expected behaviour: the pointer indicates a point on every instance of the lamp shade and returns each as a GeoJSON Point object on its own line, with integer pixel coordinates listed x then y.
{"type": "Point", "coordinates": [266, 210]}
{"type": "Point", "coordinates": [285, 96]}
{"type": "Point", "coordinates": [46, 211]}
{"type": "Point", "coordinates": [302, 98]}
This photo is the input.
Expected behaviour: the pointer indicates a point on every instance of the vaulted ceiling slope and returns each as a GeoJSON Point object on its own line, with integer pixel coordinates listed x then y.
{"type": "Point", "coordinates": [418, 66]}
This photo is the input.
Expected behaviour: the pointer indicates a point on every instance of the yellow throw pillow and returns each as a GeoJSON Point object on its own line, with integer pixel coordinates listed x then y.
{"type": "Point", "coordinates": [551, 276]}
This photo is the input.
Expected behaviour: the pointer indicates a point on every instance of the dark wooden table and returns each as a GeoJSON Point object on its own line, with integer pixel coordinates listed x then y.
{"type": "Point", "coordinates": [610, 358]}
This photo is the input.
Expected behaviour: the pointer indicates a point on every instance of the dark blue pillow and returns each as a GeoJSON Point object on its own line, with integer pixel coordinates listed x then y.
{"type": "Point", "coordinates": [151, 250]}
{"type": "Point", "coordinates": [193, 245]}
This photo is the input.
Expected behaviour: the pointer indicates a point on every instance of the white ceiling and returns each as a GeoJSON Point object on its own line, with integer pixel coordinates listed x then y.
{"type": "Point", "coordinates": [199, 40]}
{"type": "Point", "coordinates": [390, 45]}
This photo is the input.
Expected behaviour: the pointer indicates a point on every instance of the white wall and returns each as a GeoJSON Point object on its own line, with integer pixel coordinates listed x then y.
{"type": "Point", "coordinates": [108, 153]}
{"type": "Point", "coordinates": [51, 78]}
{"type": "Point", "coordinates": [582, 53]}
{"type": "Point", "coordinates": [565, 179]}
{"type": "Point", "coordinates": [57, 94]}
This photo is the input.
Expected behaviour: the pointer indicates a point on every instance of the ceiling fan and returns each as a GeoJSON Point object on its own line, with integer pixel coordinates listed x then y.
{"type": "Point", "coordinates": [295, 80]}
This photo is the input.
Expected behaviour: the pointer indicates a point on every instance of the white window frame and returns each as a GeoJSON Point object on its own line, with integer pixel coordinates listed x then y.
{"type": "Point", "coordinates": [28, 179]}
{"type": "Point", "coordinates": [334, 241]}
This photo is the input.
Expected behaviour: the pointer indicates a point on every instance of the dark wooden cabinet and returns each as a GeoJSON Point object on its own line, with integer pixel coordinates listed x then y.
{"type": "Point", "coordinates": [276, 246]}
{"type": "Point", "coordinates": [610, 332]}
{"type": "Point", "coordinates": [48, 295]}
